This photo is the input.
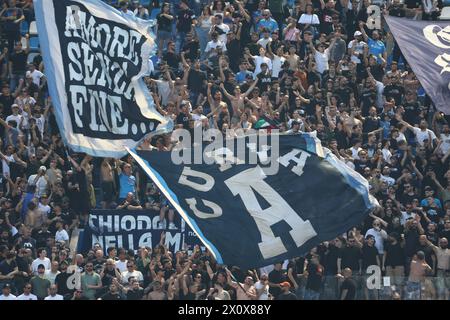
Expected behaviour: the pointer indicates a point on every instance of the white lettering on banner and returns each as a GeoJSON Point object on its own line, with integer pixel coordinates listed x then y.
{"type": "Point", "coordinates": [188, 172]}
{"type": "Point", "coordinates": [217, 210]}
{"type": "Point", "coordinates": [100, 81]}
{"type": "Point", "coordinates": [292, 156]}
{"type": "Point", "coordinates": [374, 279]}
{"type": "Point", "coordinates": [373, 17]}
{"type": "Point", "coordinates": [245, 184]}
{"type": "Point", "coordinates": [173, 240]}
{"type": "Point", "coordinates": [74, 280]}
{"type": "Point", "coordinates": [132, 223]}
{"type": "Point", "coordinates": [146, 240]}
{"type": "Point", "coordinates": [439, 37]}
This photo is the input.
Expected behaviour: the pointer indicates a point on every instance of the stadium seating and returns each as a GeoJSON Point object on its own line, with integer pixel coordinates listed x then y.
{"type": "Point", "coordinates": [33, 29]}
{"type": "Point", "coordinates": [24, 27]}
{"type": "Point", "coordinates": [34, 43]}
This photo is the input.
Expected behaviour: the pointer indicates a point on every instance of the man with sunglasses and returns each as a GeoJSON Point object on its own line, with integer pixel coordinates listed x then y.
{"type": "Point", "coordinates": [27, 295]}
{"type": "Point", "coordinates": [90, 282]}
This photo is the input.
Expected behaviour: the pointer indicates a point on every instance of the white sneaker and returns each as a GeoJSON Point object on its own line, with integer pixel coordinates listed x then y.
{"type": "Point", "coordinates": [162, 225]}
{"type": "Point", "coordinates": [172, 226]}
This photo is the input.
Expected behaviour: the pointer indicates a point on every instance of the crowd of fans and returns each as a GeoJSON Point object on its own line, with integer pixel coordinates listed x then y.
{"type": "Point", "coordinates": [324, 67]}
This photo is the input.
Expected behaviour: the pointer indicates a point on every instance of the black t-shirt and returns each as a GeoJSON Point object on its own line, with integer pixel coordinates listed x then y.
{"type": "Point", "coordinates": [349, 285]}
{"type": "Point", "coordinates": [234, 54]}
{"type": "Point", "coordinates": [61, 282]}
{"type": "Point", "coordinates": [370, 124]}
{"type": "Point", "coordinates": [377, 72]}
{"type": "Point", "coordinates": [394, 91]}
{"type": "Point", "coordinates": [135, 294]}
{"type": "Point", "coordinates": [164, 23]}
{"type": "Point", "coordinates": [275, 277]}
{"type": "Point", "coordinates": [185, 18]}
{"type": "Point", "coordinates": [192, 50]}
{"type": "Point", "coordinates": [6, 268]}
{"type": "Point", "coordinates": [327, 20]}
{"type": "Point", "coordinates": [287, 296]}
{"type": "Point", "coordinates": [411, 114]}
{"type": "Point", "coordinates": [315, 275]}
{"type": "Point", "coordinates": [7, 102]}
{"type": "Point", "coordinates": [265, 79]}
{"type": "Point", "coordinates": [411, 4]}
{"type": "Point", "coordinates": [397, 11]}
{"type": "Point", "coordinates": [183, 119]}
{"type": "Point", "coordinates": [196, 80]}
{"type": "Point", "coordinates": [395, 255]}
{"type": "Point", "coordinates": [172, 59]}
{"type": "Point", "coordinates": [344, 94]}
{"type": "Point", "coordinates": [369, 256]}
{"type": "Point", "coordinates": [111, 296]}
{"type": "Point", "coordinates": [361, 165]}
{"type": "Point", "coordinates": [19, 62]}
{"type": "Point", "coordinates": [350, 258]}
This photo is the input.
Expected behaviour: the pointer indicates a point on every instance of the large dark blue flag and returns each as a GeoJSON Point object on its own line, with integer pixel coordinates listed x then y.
{"type": "Point", "coordinates": [426, 46]}
{"type": "Point", "coordinates": [252, 215]}
{"type": "Point", "coordinates": [95, 58]}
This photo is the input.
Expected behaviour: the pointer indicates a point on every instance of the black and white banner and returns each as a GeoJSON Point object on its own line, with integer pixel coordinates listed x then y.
{"type": "Point", "coordinates": [253, 214]}
{"type": "Point", "coordinates": [95, 57]}
{"type": "Point", "coordinates": [130, 229]}
{"type": "Point", "coordinates": [426, 46]}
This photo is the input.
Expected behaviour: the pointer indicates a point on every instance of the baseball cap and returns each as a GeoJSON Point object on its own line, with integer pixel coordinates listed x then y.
{"type": "Point", "coordinates": [15, 105]}
{"type": "Point", "coordinates": [42, 168]}
{"type": "Point", "coordinates": [285, 284]}
{"type": "Point", "coordinates": [357, 33]}
{"type": "Point", "coordinates": [7, 285]}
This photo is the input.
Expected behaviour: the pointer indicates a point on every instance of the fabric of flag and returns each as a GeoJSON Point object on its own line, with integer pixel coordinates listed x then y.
{"type": "Point", "coordinates": [249, 214]}
{"type": "Point", "coordinates": [426, 47]}
{"type": "Point", "coordinates": [95, 58]}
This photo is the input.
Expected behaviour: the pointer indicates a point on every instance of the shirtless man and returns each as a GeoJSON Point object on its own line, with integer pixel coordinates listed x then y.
{"type": "Point", "coordinates": [237, 100]}
{"type": "Point", "coordinates": [419, 269]}
{"type": "Point", "coordinates": [107, 183]}
{"type": "Point", "coordinates": [158, 293]}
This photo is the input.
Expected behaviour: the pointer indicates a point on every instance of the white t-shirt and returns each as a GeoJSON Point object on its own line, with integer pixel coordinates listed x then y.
{"type": "Point", "coordinates": [214, 44]}
{"type": "Point", "coordinates": [15, 118]}
{"type": "Point", "coordinates": [5, 165]}
{"type": "Point", "coordinates": [56, 297]}
{"type": "Point", "coordinates": [260, 60]}
{"type": "Point", "coordinates": [27, 297]}
{"type": "Point", "coordinates": [265, 294]}
{"type": "Point", "coordinates": [386, 155]}
{"type": "Point", "coordinates": [136, 274]}
{"type": "Point", "coordinates": [51, 276]}
{"type": "Point", "coordinates": [406, 216]}
{"type": "Point", "coordinates": [41, 184]}
{"type": "Point", "coordinates": [322, 60]}
{"type": "Point", "coordinates": [423, 135]}
{"type": "Point", "coordinates": [277, 63]}
{"type": "Point", "coordinates": [379, 238]}
{"type": "Point", "coordinates": [36, 262]}
{"type": "Point", "coordinates": [37, 75]}
{"type": "Point", "coordinates": [122, 266]}
{"type": "Point", "coordinates": [8, 297]}
{"type": "Point", "coordinates": [164, 90]}
{"type": "Point", "coordinates": [359, 49]}
{"type": "Point", "coordinates": [263, 42]}
{"type": "Point", "coordinates": [445, 145]}
{"type": "Point", "coordinates": [225, 28]}
{"type": "Point", "coordinates": [62, 235]}
{"type": "Point", "coordinates": [44, 209]}
{"type": "Point", "coordinates": [309, 19]}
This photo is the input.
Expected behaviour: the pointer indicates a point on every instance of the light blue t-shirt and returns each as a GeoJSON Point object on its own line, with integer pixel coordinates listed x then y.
{"type": "Point", "coordinates": [269, 24]}
{"type": "Point", "coordinates": [376, 47]}
{"type": "Point", "coordinates": [127, 184]}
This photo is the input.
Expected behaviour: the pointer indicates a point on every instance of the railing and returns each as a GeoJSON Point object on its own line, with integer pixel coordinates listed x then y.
{"type": "Point", "coordinates": [386, 288]}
